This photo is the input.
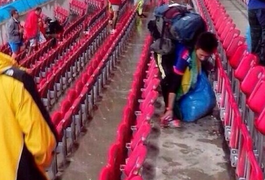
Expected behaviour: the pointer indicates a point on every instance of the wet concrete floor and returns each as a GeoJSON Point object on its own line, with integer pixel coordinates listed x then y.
{"type": "Point", "coordinates": [196, 151]}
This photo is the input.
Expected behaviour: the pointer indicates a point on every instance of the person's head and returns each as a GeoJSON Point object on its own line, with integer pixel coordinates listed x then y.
{"type": "Point", "coordinates": [14, 14]}
{"type": "Point", "coordinates": [206, 45]}
{"type": "Point", "coordinates": [47, 20]}
{"type": "Point", "coordinates": [38, 10]}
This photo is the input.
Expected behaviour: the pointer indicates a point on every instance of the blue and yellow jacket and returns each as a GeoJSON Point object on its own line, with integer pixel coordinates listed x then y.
{"type": "Point", "coordinates": [27, 137]}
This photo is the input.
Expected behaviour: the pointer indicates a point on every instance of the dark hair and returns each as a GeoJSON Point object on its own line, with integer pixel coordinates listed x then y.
{"type": "Point", "coordinates": [38, 9]}
{"type": "Point", "coordinates": [13, 12]}
{"type": "Point", "coordinates": [207, 41]}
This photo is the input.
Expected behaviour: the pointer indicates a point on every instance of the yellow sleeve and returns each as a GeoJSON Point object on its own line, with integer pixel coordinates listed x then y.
{"type": "Point", "coordinates": [39, 138]}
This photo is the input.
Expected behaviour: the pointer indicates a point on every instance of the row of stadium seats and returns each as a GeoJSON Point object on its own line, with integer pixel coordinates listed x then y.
{"type": "Point", "coordinates": [239, 89]}
{"type": "Point", "coordinates": [129, 152]}
{"type": "Point", "coordinates": [75, 109]}
{"type": "Point", "coordinates": [56, 72]}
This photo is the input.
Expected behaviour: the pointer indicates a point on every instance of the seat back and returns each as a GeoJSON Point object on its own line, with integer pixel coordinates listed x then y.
{"type": "Point", "coordinates": [135, 160]}
{"type": "Point", "coordinates": [248, 61]}
{"type": "Point", "coordinates": [237, 56]}
{"type": "Point", "coordinates": [260, 122]}
{"type": "Point", "coordinates": [141, 135]}
{"type": "Point", "coordinates": [114, 160]}
{"type": "Point", "coordinates": [105, 173]}
{"type": "Point", "coordinates": [231, 35]}
{"type": "Point", "coordinates": [256, 100]}
{"type": "Point", "coordinates": [237, 41]}
{"type": "Point", "coordinates": [253, 76]}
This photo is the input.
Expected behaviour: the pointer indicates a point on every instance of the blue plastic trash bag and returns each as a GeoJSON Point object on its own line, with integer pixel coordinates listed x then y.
{"type": "Point", "coordinates": [199, 101]}
{"type": "Point", "coordinates": [248, 38]}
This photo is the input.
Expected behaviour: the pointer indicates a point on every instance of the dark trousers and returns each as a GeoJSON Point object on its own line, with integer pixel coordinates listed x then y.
{"type": "Point", "coordinates": [256, 19]}
{"type": "Point", "coordinates": [165, 92]}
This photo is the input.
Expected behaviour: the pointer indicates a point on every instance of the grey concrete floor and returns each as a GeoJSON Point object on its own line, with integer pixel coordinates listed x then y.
{"type": "Point", "coordinates": [196, 151]}
{"type": "Point", "coordinates": [91, 154]}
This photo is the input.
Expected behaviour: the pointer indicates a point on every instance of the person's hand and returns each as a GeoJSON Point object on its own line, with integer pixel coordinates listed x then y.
{"type": "Point", "coordinates": [21, 31]}
{"type": "Point", "coordinates": [167, 115]}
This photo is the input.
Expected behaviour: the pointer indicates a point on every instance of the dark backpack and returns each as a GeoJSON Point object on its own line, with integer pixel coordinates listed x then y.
{"type": "Point", "coordinates": [176, 23]}
{"type": "Point", "coordinates": [187, 28]}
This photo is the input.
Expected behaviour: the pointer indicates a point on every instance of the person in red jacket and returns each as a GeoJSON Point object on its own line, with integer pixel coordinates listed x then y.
{"type": "Point", "coordinates": [115, 7]}
{"type": "Point", "coordinates": [32, 29]}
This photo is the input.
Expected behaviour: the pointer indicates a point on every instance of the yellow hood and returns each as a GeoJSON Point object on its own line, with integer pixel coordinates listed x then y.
{"type": "Point", "coordinates": [7, 61]}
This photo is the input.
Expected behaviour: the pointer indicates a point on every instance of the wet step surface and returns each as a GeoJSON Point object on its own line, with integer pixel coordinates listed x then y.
{"type": "Point", "coordinates": [196, 151]}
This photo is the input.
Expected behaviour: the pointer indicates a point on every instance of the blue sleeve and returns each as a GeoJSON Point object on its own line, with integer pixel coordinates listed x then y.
{"type": "Point", "coordinates": [181, 61]}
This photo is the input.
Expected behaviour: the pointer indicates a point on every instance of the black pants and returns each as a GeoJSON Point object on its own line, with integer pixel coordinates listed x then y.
{"type": "Point", "coordinates": [165, 92]}
{"type": "Point", "coordinates": [256, 19]}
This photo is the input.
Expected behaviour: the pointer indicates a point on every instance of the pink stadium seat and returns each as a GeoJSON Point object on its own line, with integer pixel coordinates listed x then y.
{"type": "Point", "coordinates": [256, 100]}
{"type": "Point", "coordinates": [253, 76]}
{"type": "Point", "coordinates": [105, 173]}
{"type": "Point", "coordinates": [135, 161]}
{"type": "Point", "coordinates": [237, 56]}
{"type": "Point", "coordinates": [248, 61]}
{"type": "Point", "coordinates": [229, 27]}
{"type": "Point", "coordinates": [233, 33]}
{"type": "Point", "coordinates": [140, 136]}
{"type": "Point", "coordinates": [245, 145]}
{"type": "Point", "coordinates": [114, 160]}
{"type": "Point", "coordinates": [233, 46]}
{"type": "Point", "coordinates": [260, 122]}
{"type": "Point", "coordinates": [247, 167]}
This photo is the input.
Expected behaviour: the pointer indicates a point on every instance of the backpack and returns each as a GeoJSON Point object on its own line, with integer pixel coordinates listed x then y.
{"type": "Point", "coordinates": [176, 23]}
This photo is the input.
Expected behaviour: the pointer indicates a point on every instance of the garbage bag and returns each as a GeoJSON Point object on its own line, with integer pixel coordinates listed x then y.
{"type": "Point", "coordinates": [199, 101]}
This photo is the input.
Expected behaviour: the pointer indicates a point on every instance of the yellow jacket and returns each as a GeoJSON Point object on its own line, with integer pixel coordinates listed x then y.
{"type": "Point", "coordinates": [27, 138]}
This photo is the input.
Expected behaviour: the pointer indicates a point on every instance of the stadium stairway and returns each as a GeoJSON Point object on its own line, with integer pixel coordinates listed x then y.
{"type": "Point", "coordinates": [91, 153]}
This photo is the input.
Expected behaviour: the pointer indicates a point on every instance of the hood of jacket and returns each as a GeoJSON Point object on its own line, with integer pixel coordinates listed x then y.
{"type": "Point", "coordinates": [6, 62]}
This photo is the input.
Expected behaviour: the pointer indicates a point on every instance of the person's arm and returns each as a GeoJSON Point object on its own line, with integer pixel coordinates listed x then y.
{"type": "Point", "coordinates": [175, 82]}
{"type": "Point", "coordinates": [39, 138]}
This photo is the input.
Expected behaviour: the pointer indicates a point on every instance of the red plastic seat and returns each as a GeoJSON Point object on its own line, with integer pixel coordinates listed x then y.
{"type": "Point", "coordinates": [245, 145]}
{"type": "Point", "coordinates": [237, 56]}
{"type": "Point", "coordinates": [256, 100]}
{"type": "Point", "coordinates": [248, 61]}
{"type": "Point", "coordinates": [114, 160]}
{"type": "Point", "coordinates": [135, 161]}
{"type": "Point", "coordinates": [65, 106]}
{"type": "Point", "coordinates": [71, 96]}
{"type": "Point", "coordinates": [229, 27]}
{"type": "Point", "coordinates": [230, 36]}
{"type": "Point", "coordinates": [140, 135]}
{"type": "Point", "coordinates": [247, 166]}
{"type": "Point", "coordinates": [235, 126]}
{"type": "Point", "coordinates": [253, 76]}
{"type": "Point", "coordinates": [260, 122]}
{"type": "Point", "coordinates": [105, 173]}
{"type": "Point", "coordinates": [236, 42]}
